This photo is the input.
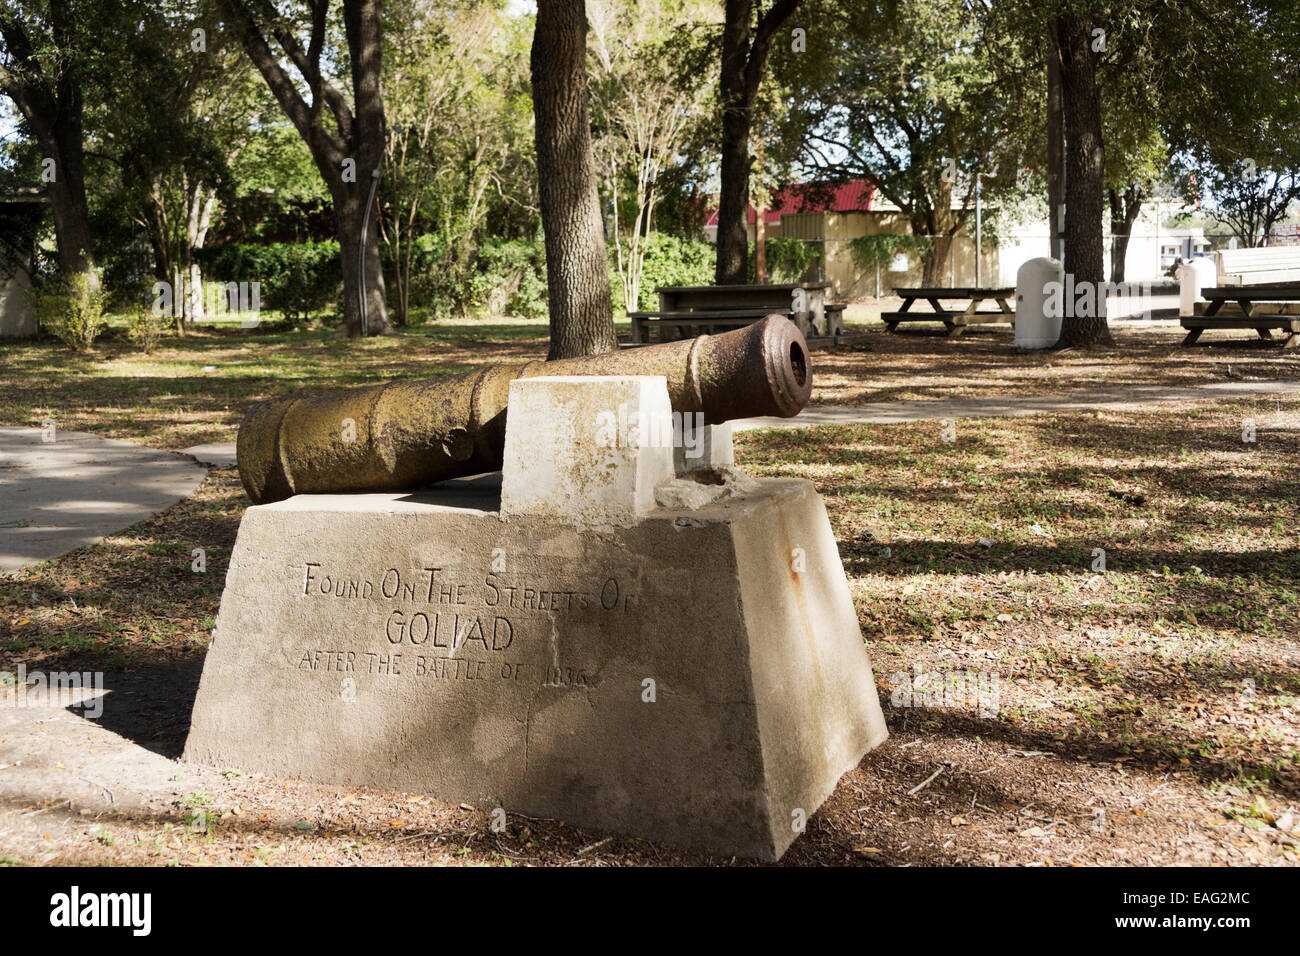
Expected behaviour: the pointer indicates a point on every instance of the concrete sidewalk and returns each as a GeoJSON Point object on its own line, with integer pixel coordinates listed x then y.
{"type": "Point", "coordinates": [1128, 396]}
{"type": "Point", "coordinates": [57, 496]}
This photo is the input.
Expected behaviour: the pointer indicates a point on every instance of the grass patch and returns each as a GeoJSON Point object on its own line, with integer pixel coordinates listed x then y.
{"type": "Point", "coordinates": [1129, 575]}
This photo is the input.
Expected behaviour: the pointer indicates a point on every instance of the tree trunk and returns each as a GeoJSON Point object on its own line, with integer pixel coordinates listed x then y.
{"type": "Point", "coordinates": [577, 272]}
{"type": "Point", "coordinates": [1055, 171]}
{"type": "Point", "coordinates": [731, 266]}
{"type": "Point", "coordinates": [742, 72]}
{"type": "Point", "coordinates": [936, 255]}
{"type": "Point", "coordinates": [68, 199]}
{"type": "Point", "coordinates": [733, 199]}
{"type": "Point", "coordinates": [1124, 209]}
{"type": "Point", "coordinates": [1084, 169]}
{"type": "Point", "coordinates": [1118, 236]}
{"type": "Point", "coordinates": [196, 233]}
{"type": "Point", "coordinates": [401, 276]}
{"type": "Point", "coordinates": [936, 262]}
{"type": "Point", "coordinates": [166, 267]}
{"type": "Point", "coordinates": [362, 21]}
{"type": "Point", "coordinates": [349, 211]}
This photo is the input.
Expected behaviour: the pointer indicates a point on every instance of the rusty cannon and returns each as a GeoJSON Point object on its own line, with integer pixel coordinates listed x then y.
{"type": "Point", "coordinates": [409, 434]}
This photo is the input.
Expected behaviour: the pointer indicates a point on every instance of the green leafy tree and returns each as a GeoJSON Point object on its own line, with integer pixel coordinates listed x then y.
{"type": "Point", "coordinates": [907, 97]}
{"type": "Point", "coordinates": [1126, 76]}
{"type": "Point", "coordinates": [460, 145]}
{"type": "Point", "coordinates": [643, 109]}
{"type": "Point", "coordinates": [170, 123]}
{"type": "Point", "coordinates": [1248, 200]}
{"type": "Point", "coordinates": [341, 122]}
{"type": "Point", "coordinates": [1242, 161]}
{"type": "Point", "coordinates": [47, 49]}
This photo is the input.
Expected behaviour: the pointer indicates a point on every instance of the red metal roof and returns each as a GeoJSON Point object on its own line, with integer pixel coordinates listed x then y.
{"type": "Point", "coordinates": [853, 196]}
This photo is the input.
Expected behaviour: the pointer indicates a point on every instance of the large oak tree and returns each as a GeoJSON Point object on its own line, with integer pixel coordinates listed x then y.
{"type": "Point", "coordinates": [350, 155]}
{"type": "Point", "coordinates": [577, 274]}
{"type": "Point", "coordinates": [41, 70]}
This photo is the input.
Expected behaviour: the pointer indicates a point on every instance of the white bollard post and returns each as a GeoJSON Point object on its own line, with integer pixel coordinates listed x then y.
{"type": "Point", "coordinates": [1035, 329]}
{"type": "Point", "coordinates": [1196, 275]}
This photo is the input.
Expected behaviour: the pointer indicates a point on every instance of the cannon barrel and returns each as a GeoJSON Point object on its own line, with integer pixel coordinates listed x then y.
{"type": "Point", "coordinates": [408, 434]}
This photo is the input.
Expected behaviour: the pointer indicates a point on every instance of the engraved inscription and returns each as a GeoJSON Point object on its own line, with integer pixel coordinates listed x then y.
{"type": "Point", "coordinates": [440, 624]}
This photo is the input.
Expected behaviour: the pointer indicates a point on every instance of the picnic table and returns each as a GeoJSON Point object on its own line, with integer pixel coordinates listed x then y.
{"type": "Point", "coordinates": [702, 307]}
{"type": "Point", "coordinates": [1253, 300]}
{"type": "Point", "coordinates": [955, 320]}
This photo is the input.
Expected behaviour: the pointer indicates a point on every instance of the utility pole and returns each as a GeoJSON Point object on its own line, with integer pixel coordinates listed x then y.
{"type": "Point", "coordinates": [979, 224]}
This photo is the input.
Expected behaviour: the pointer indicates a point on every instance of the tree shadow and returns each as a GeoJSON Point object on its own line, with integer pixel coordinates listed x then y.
{"type": "Point", "coordinates": [150, 705]}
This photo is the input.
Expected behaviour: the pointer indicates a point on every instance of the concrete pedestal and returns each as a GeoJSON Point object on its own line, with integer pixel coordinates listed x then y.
{"type": "Point", "coordinates": [419, 642]}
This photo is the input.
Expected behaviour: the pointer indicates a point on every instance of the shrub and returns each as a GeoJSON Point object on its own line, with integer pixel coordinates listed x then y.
{"type": "Point", "coordinates": [510, 279]}
{"type": "Point", "coordinates": [787, 259]}
{"type": "Point", "coordinates": [144, 329]}
{"type": "Point", "coordinates": [71, 310]}
{"type": "Point", "coordinates": [299, 279]}
{"type": "Point", "coordinates": [499, 277]}
{"type": "Point", "coordinates": [868, 252]}
{"type": "Point", "coordinates": [435, 280]}
{"type": "Point", "coordinates": [668, 261]}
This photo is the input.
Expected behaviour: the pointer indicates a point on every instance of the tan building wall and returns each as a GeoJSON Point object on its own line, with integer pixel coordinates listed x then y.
{"type": "Point", "coordinates": [837, 230]}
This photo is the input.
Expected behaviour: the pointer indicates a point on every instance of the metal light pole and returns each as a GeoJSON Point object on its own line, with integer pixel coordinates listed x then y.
{"type": "Point", "coordinates": [361, 258]}
{"type": "Point", "coordinates": [979, 224]}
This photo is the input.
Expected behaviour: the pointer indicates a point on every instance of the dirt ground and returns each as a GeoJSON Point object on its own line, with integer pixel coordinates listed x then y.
{"type": "Point", "coordinates": [1150, 715]}
{"type": "Point", "coordinates": [1146, 714]}
{"type": "Point", "coordinates": [91, 796]}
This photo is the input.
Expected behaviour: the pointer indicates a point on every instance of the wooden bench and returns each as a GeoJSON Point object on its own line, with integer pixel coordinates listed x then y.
{"type": "Point", "coordinates": [701, 308]}
{"type": "Point", "coordinates": [1268, 265]}
{"type": "Point", "coordinates": [675, 322]}
{"type": "Point", "coordinates": [834, 321]}
{"type": "Point", "coordinates": [955, 320]}
{"type": "Point", "coordinates": [1263, 308]}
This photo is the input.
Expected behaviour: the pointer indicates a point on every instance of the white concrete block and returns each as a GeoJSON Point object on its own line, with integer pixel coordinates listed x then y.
{"type": "Point", "coordinates": [587, 448]}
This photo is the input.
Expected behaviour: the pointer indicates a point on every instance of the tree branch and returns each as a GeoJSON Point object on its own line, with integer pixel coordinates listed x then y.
{"type": "Point", "coordinates": [282, 87]}
{"type": "Point", "coordinates": [768, 24]}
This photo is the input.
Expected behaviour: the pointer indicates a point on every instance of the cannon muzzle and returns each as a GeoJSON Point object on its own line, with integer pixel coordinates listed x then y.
{"type": "Point", "coordinates": [408, 434]}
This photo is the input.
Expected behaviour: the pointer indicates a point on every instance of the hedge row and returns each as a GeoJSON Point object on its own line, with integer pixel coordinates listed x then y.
{"type": "Point", "coordinates": [497, 277]}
